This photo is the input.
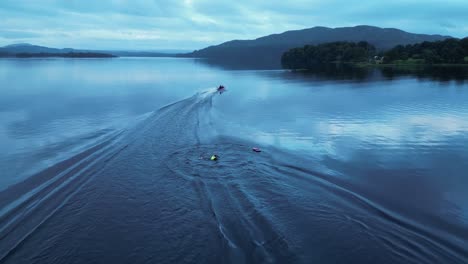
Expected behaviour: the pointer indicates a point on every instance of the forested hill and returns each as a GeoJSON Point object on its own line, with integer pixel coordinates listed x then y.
{"type": "Point", "coordinates": [449, 51]}
{"type": "Point", "coordinates": [268, 49]}
{"type": "Point", "coordinates": [310, 56]}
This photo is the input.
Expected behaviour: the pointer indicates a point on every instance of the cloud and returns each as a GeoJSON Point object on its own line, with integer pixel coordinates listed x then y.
{"type": "Point", "coordinates": [448, 25]}
{"type": "Point", "coordinates": [18, 34]}
{"type": "Point", "coordinates": [194, 24]}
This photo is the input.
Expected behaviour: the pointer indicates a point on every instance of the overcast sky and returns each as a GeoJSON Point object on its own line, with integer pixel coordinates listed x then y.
{"type": "Point", "coordinates": [194, 24]}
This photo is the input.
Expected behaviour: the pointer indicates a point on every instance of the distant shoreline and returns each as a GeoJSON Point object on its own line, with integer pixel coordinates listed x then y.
{"type": "Point", "coordinates": [58, 55]}
{"type": "Point", "coordinates": [408, 65]}
{"type": "Point", "coordinates": [373, 65]}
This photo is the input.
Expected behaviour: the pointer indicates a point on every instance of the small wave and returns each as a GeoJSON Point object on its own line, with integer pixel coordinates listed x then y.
{"type": "Point", "coordinates": [28, 204]}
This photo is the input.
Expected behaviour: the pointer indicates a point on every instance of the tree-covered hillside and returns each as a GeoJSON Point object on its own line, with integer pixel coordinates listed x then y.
{"type": "Point", "coordinates": [449, 51]}
{"type": "Point", "coordinates": [336, 52]}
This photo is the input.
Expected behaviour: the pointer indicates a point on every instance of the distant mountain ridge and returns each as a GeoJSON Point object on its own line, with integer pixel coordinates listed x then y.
{"type": "Point", "coordinates": [29, 48]}
{"type": "Point", "coordinates": [25, 48]}
{"type": "Point", "coordinates": [268, 49]}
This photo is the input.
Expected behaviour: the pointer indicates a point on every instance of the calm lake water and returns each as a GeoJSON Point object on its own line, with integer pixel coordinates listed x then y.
{"type": "Point", "coordinates": [107, 161]}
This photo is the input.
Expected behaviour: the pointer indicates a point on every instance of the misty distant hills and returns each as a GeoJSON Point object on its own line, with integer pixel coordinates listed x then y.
{"type": "Point", "coordinates": [268, 50]}
{"type": "Point", "coordinates": [19, 50]}
{"type": "Point", "coordinates": [29, 48]}
{"type": "Point", "coordinates": [26, 50]}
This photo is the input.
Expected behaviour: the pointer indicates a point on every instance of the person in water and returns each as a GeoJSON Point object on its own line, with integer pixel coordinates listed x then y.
{"type": "Point", "coordinates": [213, 157]}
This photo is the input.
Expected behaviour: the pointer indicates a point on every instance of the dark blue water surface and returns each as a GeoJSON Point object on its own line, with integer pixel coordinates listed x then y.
{"type": "Point", "coordinates": [107, 161]}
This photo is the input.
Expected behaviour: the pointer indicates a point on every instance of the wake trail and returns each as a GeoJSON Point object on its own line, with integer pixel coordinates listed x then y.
{"type": "Point", "coordinates": [25, 206]}
{"type": "Point", "coordinates": [29, 204]}
{"type": "Point", "coordinates": [253, 207]}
